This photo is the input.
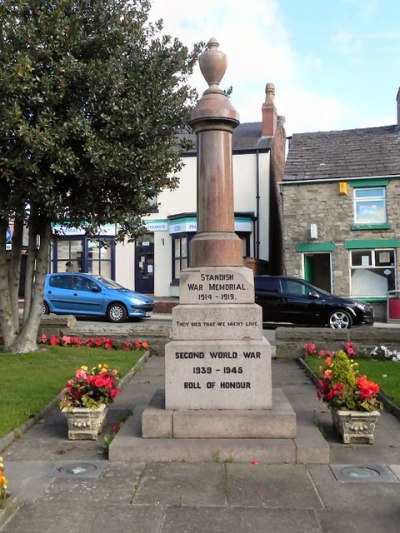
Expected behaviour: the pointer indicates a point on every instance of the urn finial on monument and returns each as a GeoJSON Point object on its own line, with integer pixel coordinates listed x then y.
{"type": "Point", "coordinates": [213, 65]}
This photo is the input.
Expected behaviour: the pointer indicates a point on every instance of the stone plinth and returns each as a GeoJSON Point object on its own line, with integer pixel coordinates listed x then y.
{"type": "Point", "coordinates": [218, 374]}
{"type": "Point", "coordinates": [277, 422]}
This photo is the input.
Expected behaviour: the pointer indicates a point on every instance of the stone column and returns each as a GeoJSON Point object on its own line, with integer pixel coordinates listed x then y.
{"type": "Point", "coordinates": [213, 120]}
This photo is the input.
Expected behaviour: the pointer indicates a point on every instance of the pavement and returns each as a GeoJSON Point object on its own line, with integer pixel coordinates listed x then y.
{"type": "Point", "coordinates": [61, 486]}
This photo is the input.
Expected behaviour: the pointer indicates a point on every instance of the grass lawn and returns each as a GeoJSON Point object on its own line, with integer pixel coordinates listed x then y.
{"type": "Point", "coordinates": [385, 373]}
{"type": "Point", "coordinates": [28, 382]}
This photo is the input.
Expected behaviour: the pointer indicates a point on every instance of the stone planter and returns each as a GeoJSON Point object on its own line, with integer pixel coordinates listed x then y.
{"type": "Point", "coordinates": [355, 427]}
{"type": "Point", "coordinates": [84, 423]}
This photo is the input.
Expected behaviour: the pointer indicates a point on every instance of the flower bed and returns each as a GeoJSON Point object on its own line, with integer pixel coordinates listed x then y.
{"type": "Point", "coordinates": [107, 343]}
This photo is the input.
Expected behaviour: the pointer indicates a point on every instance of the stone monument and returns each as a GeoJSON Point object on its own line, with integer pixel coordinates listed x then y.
{"type": "Point", "coordinates": [218, 363]}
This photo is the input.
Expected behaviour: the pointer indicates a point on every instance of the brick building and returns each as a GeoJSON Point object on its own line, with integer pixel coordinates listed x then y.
{"type": "Point", "coordinates": [341, 211]}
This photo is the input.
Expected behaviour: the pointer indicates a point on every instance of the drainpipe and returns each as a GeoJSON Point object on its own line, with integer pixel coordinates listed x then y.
{"type": "Point", "coordinates": [257, 228]}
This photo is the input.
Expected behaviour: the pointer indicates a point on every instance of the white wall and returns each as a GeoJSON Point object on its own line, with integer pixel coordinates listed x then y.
{"type": "Point", "coordinates": [162, 263]}
{"type": "Point", "coordinates": [245, 192]}
{"type": "Point", "coordinates": [182, 199]}
{"type": "Point", "coordinates": [125, 264]}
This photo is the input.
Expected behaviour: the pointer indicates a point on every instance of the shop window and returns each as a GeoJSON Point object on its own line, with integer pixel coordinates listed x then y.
{"type": "Point", "coordinates": [180, 247]}
{"type": "Point", "coordinates": [95, 256]}
{"type": "Point", "coordinates": [370, 205]}
{"type": "Point", "coordinates": [99, 258]}
{"type": "Point", "coordinates": [69, 251]}
{"type": "Point", "coordinates": [372, 272]}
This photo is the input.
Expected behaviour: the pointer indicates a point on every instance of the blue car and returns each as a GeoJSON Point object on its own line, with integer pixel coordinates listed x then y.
{"type": "Point", "coordinates": [72, 293]}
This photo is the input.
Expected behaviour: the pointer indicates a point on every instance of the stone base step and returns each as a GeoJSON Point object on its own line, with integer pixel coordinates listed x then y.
{"type": "Point", "coordinates": [308, 447]}
{"type": "Point", "coordinates": [277, 422]}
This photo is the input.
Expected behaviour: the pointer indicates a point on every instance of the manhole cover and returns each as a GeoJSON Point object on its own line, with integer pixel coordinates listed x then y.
{"type": "Point", "coordinates": [77, 469]}
{"type": "Point", "coordinates": [363, 473]}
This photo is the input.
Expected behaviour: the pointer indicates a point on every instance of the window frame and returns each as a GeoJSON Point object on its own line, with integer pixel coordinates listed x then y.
{"type": "Point", "coordinates": [57, 261]}
{"type": "Point", "coordinates": [357, 202]}
{"type": "Point", "coordinates": [373, 265]}
{"type": "Point", "coordinates": [187, 236]}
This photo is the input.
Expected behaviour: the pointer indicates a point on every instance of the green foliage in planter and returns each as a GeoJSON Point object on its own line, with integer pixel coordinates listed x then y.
{"type": "Point", "coordinates": [385, 373]}
{"type": "Point", "coordinates": [342, 371]}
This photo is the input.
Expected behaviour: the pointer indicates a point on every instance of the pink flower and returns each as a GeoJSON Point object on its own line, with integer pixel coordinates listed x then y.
{"type": "Point", "coordinates": [66, 340]}
{"type": "Point", "coordinates": [349, 347]}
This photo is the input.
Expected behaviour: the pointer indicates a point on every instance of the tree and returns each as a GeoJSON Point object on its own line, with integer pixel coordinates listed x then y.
{"type": "Point", "coordinates": [93, 97]}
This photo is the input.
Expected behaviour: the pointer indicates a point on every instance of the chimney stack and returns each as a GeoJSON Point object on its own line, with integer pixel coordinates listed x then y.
{"type": "Point", "coordinates": [269, 114]}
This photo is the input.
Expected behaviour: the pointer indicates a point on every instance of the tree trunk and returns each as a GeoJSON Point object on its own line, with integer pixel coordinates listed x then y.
{"type": "Point", "coordinates": [8, 329]}
{"type": "Point", "coordinates": [23, 338]}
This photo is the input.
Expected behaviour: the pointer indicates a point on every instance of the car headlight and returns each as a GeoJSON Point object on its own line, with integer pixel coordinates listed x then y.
{"type": "Point", "coordinates": [136, 302]}
{"type": "Point", "coordinates": [361, 306]}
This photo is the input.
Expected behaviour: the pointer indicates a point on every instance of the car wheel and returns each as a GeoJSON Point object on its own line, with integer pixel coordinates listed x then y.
{"type": "Point", "coordinates": [340, 320]}
{"type": "Point", "coordinates": [45, 309]}
{"type": "Point", "coordinates": [116, 313]}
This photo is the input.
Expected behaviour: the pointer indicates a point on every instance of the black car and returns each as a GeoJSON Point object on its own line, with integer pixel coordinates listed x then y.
{"type": "Point", "coordinates": [292, 300]}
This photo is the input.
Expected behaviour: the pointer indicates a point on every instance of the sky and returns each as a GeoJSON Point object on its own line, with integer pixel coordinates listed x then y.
{"type": "Point", "coordinates": [335, 63]}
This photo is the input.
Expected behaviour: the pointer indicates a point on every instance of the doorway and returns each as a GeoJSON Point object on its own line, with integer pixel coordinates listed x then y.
{"type": "Point", "coordinates": [318, 270]}
{"type": "Point", "coordinates": [144, 266]}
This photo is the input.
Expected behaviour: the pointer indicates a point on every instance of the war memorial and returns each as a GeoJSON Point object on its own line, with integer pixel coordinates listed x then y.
{"type": "Point", "coordinates": [218, 381]}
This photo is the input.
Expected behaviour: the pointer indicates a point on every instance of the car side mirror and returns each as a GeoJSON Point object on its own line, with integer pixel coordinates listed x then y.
{"type": "Point", "coordinates": [313, 294]}
{"type": "Point", "coordinates": [96, 289]}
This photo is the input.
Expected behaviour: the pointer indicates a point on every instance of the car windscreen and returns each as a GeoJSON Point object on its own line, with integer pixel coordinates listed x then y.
{"type": "Point", "coordinates": [109, 283]}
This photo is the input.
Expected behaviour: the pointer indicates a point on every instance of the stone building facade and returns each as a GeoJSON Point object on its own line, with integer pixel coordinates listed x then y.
{"type": "Point", "coordinates": [341, 198]}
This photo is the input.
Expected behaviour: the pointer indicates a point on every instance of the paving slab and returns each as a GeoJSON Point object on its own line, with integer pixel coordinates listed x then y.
{"type": "Point", "coordinates": [350, 521]}
{"type": "Point", "coordinates": [182, 484]}
{"type": "Point", "coordinates": [239, 520]}
{"type": "Point", "coordinates": [84, 517]}
{"type": "Point", "coordinates": [272, 486]}
{"type": "Point", "coordinates": [342, 495]}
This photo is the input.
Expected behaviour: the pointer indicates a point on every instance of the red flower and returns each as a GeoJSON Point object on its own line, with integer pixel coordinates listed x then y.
{"type": "Point", "coordinates": [115, 428]}
{"type": "Point", "coordinates": [54, 340]}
